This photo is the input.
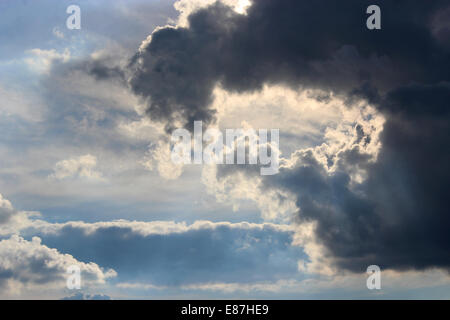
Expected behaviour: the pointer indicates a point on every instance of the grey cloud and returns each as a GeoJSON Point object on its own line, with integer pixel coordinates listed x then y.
{"type": "Point", "coordinates": [166, 254]}
{"type": "Point", "coordinates": [322, 44]}
{"type": "Point", "coordinates": [398, 217]}
{"type": "Point", "coordinates": [12, 220]}
{"type": "Point", "coordinates": [99, 69]}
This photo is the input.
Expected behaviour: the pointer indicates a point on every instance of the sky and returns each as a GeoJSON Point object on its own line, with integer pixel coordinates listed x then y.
{"type": "Point", "coordinates": [87, 179]}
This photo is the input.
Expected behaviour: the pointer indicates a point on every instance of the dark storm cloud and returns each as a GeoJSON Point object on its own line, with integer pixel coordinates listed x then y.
{"type": "Point", "coordinates": [399, 217]}
{"type": "Point", "coordinates": [322, 44]}
{"type": "Point", "coordinates": [419, 100]}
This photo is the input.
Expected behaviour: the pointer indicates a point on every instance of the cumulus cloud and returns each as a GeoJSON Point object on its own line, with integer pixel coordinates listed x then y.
{"type": "Point", "coordinates": [369, 189]}
{"type": "Point", "coordinates": [31, 265]}
{"type": "Point", "coordinates": [12, 220]}
{"type": "Point", "coordinates": [389, 209]}
{"type": "Point", "coordinates": [232, 189]}
{"type": "Point", "coordinates": [367, 196]}
{"type": "Point", "coordinates": [336, 134]}
{"type": "Point", "coordinates": [340, 285]}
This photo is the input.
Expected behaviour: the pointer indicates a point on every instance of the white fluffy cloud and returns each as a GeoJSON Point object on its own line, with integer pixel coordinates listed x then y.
{"type": "Point", "coordinates": [12, 220]}
{"type": "Point", "coordinates": [30, 265]}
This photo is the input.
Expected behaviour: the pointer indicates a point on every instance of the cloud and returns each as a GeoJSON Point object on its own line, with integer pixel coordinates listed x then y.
{"type": "Point", "coordinates": [80, 167]}
{"type": "Point", "coordinates": [187, 7]}
{"type": "Point", "coordinates": [389, 210]}
{"type": "Point", "coordinates": [150, 247]}
{"type": "Point", "coordinates": [30, 265]}
{"type": "Point", "coordinates": [12, 220]}
{"type": "Point", "coordinates": [177, 68]}
{"type": "Point", "coordinates": [6, 210]}
{"type": "Point", "coordinates": [42, 60]}
{"type": "Point", "coordinates": [391, 281]}
{"type": "Point", "coordinates": [159, 157]}
{"type": "Point", "coordinates": [386, 219]}
{"type": "Point", "coordinates": [26, 25]}
{"type": "Point", "coordinates": [154, 227]}
{"type": "Point", "coordinates": [329, 129]}
{"type": "Point", "coordinates": [369, 187]}
{"type": "Point", "coordinates": [171, 254]}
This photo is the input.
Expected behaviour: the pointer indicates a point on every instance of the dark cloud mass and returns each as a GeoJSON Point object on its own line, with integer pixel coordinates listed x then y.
{"type": "Point", "coordinates": [321, 44]}
{"type": "Point", "coordinates": [399, 216]}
